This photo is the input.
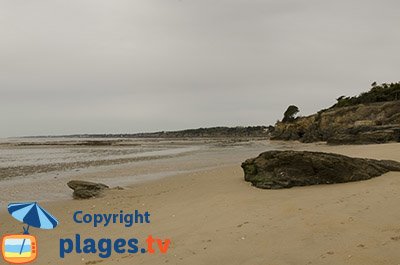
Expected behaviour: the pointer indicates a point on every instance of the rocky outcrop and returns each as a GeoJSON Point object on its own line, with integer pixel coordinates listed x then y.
{"type": "Point", "coordinates": [359, 124]}
{"type": "Point", "coordinates": [286, 169]}
{"type": "Point", "coordinates": [86, 189]}
{"type": "Point", "coordinates": [366, 135]}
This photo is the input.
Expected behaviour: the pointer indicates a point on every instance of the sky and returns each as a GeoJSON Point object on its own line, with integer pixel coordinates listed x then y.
{"type": "Point", "coordinates": [125, 66]}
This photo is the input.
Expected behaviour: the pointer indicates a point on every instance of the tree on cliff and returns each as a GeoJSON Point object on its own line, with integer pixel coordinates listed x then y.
{"type": "Point", "coordinates": [289, 114]}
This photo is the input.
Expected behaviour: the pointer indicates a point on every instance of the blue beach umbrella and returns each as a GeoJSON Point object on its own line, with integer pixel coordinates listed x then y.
{"type": "Point", "coordinates": [32, 215]}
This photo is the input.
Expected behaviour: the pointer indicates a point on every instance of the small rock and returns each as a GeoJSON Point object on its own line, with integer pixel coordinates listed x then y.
{"type": "Point", "coordinates": [86, 189]}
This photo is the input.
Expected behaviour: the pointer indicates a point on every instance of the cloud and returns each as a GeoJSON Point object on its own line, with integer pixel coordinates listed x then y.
{"type": "Point", "coordinates": [129, 66]}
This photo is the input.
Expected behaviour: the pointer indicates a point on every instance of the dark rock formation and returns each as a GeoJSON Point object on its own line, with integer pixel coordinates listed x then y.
{"type": "Point", "coordinates": [86, 189]}
{"type": "Point", "coordinates": [366, 135]}
{"type": "Point", "coordinates": [286, 169]}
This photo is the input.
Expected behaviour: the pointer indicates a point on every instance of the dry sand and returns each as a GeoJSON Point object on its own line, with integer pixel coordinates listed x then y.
{"type": "Point", "coordinates": [214, 217]}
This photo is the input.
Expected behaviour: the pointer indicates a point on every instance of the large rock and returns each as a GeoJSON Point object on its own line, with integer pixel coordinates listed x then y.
{"type": "Point", "coordinates": [86, 189]}
{"type": "Point", "coordinates": [286, 169]}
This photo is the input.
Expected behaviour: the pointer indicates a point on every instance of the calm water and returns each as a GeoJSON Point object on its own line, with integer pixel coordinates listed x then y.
{"type": "Point", "coordinates": [35, 152]}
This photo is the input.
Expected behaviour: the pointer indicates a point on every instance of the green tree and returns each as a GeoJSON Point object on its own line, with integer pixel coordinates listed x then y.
{"type": "Point", "coordinates": [289, 114]}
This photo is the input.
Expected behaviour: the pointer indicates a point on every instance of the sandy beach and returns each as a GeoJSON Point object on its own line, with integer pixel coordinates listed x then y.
{"type": "Point", "coordinates": [212, 216]}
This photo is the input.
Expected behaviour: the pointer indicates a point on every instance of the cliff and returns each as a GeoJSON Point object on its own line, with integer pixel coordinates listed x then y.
{"type": "Point", "coordinates": [348, 122]}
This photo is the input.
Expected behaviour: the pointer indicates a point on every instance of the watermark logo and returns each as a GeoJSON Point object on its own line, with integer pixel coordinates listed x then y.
{"type": "Point", "coordinates": [22, 248]}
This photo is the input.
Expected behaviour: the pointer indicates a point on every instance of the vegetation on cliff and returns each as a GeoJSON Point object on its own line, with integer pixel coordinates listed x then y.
{"type": "Point", "coordinates": [290, 113]}
{"type": "Point", "coordinates": [378, 93]}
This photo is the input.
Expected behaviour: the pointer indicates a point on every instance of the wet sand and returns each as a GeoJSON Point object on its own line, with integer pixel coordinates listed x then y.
{"type": "Point", "coordinates": [213, 217]}
{"type": "Point", "coordinates": [40, 172]}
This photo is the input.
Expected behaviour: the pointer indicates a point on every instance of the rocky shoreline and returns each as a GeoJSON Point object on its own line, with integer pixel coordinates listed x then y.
{"type": "Point", "coordinates": [360, 124]}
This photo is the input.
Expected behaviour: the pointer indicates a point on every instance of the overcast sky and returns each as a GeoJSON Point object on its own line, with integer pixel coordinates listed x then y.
{"type": "Point", "coordinates": [116, 66]}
